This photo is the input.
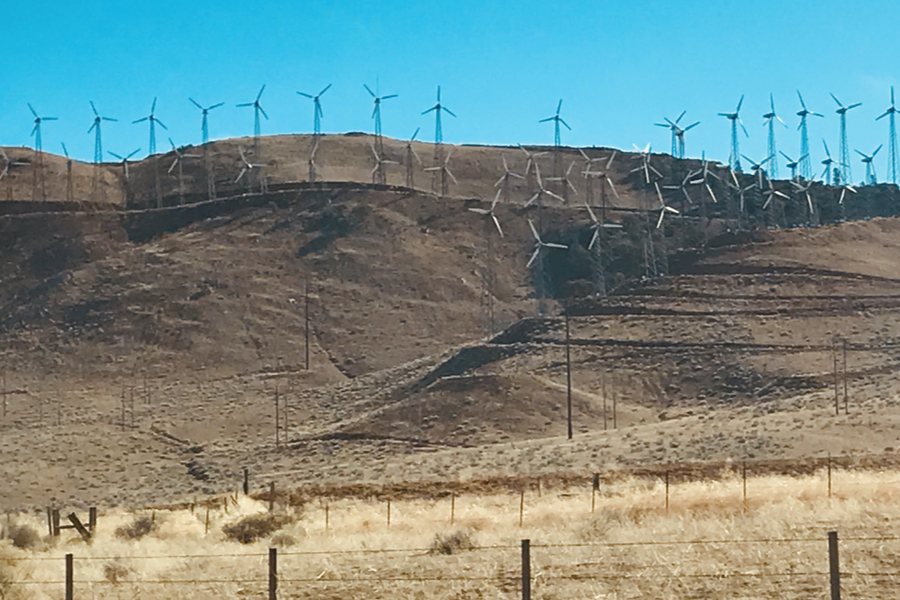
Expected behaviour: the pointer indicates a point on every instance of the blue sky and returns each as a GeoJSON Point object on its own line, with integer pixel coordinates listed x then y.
{"type": "Point", "coordinates": [619, 66]}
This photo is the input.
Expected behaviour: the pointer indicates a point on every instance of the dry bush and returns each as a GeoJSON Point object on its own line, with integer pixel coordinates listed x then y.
{"type": "Point", "coordinates": [136, 529]}
{"type": "Point", "coordinates": [115, 572]}
{"type": "Point", "coordinates": [22, 536]}
{"type": "Point", "coordinates": [452, 543]}
{"type": "Point", "coordinates": [249, 529]}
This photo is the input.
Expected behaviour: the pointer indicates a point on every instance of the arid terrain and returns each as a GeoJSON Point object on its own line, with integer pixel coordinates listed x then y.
{"type": "Point", "coordinates": [145, 343]}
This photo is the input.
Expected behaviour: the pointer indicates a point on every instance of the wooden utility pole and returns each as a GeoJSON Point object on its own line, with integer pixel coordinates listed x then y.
{"type": "Point", "coordinates": [837, 399]}
{"type": "Point", "coordinates": [568, 378]}
{"type": "Point", "coordinates": [846, 396]}
{"type": "Point", "coordinates": [306, 319]}
{"type": "Point", "coordinates": [277, 438]}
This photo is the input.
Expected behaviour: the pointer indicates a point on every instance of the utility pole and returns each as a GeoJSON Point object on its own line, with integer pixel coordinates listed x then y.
{"type": "Point", "coordinates": [846, 396]}
{"type": "Point", "coordinates": [568, 377]}
{"type": "Point", "coordinates": [306, 319]}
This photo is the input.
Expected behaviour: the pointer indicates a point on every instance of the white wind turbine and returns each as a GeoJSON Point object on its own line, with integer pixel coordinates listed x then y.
{"type": "Point", "coordinates": [566, 182]}
{"type": "Point", "coordinates": [379, 175]}
{"type": "Point", "coordinates": [504, 180]}
{"type": "Point", "coordinates": [645, 166]}
{"type": "Point", "coordinates": [595, 246]}
{"type": "Point", "coordinates": [444, 169]}
{"type": "Point", "coordinates": [803, 188]}
{"type": "Point", "coordinates": [663, 207]}
{"type": "Point", "coordinates": [180, 155]}
{"type": "Point", "coordinates": [490, 220]}
{"type": "Point", "coordinates": [249, 169]}
{"type": "Point", "coordinates": [539, 244]}
{"type": "Point", "coordinates": [538, 195]}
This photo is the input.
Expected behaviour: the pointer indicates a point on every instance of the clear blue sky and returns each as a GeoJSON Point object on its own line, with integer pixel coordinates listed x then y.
{"type": "Point", "coordinates": [619, 66]}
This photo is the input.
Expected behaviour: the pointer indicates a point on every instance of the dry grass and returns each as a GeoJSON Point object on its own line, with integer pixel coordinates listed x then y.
{"type": "Point", "coordinates": [710, 544]}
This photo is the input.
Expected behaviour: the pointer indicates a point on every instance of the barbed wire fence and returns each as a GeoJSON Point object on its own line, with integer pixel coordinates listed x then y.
{"type": "Point", "coordinates": [803, 567]}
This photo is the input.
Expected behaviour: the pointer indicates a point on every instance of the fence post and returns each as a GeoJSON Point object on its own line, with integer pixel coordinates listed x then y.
{"type": "Point", "coordinates": [829, 474]}
{"type": "Point", "coordinates": [667, 491]}
{"type": "Point", "coordinates": [834, 566]}
{"type": "Point", "coordinates": [246, 482]}
{"type": "Point", "coordinates": [744, 477]}
{"type": "Point", "coordinates": [326, 517]}
{"type": "Point", "coordinates": [521, 507]}
{"type": "Point", "coordinates": [452, 507]}
{"type": "Point", "coordinates": [595, 488]}
{"type": "Point", "coordinates": [273, 573]}
{"type": "Point", "coordinates": [389, 512]}
{"type": "Point", "coordinates": [526, 569]}
{"type": "Point", "coordinates": [272, 497]}
{"type": "Point", "coordinates": [70, 574]}
{"type": "Point", "coordinates": [92, 519]}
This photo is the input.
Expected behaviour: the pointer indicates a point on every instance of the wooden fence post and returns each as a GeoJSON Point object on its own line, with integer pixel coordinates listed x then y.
{"type": "Point", "coordinates": [246, 481]}
{"type": "Point", "coordinates": [207, 519]}
{"type": "Point", "coordinates": [388, 512]}
{"type": "Point", "coordinates": [326, 516]}
{"type": "Point", "coordinates": [273, 573]}
{"type": "Point", "coordinates": [79, 527]}
{"type": "Point", "coordinates": [667, 491]}
{"type": "Point", "coordinates": [50, 520]}
{"type": "Point", "coordinates": [452, 507]}
{"type": "Point", "coordinates": [526, 569]}
{"type": "Point", "coordinates": [272, 497]}
{"type": "Point", "coordinates": [521, 507]}
{"type": "Point", "coordinates": [744, 477]}
{"type": "Point", "coordinates": [834, 566]}
{"type": "Point", "coordinates": [829, 474]}
{"type": "Point", "coordinates": [92, 519]}
{"type": "Point", "coordinates": [594, 489]}
{"type": "Point", "coordinates": [70, 573]}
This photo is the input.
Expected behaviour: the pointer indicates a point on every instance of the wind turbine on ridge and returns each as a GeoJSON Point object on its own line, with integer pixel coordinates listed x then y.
{"type": "Point", "coordinates": [438, 138]}
{"type": "Point", "coordinates": [204, 127]}
{"type": "Point", "coordinates": [153, 121]}
{"type": "Point", "coordinates": [677, 133]}
{"type": "Point", "coordinates": [257, 110]}
{"type": "Point", "coordinates": [734, 159]}
{"type": "Point", "coordinates": [871, 179]}
{"type": "Point", "coordinates": [98, 150]}
{"type": "Point", "coordinates": [892, 140]}
{"type": "Point", "coordinates": [378, 175]}
{"type": "Point", "coordinates": [38, 166]}
{"type": "Point", "coordinates": [805, 162]}
{"type": "Point", "coordinates": [770, 118]}
{"type": "Point", "coordinates": [844, 149]}
{"type": "Point", "coordinates": [317, 109]}
{"type": "Point", "coordinates": [491, 222]}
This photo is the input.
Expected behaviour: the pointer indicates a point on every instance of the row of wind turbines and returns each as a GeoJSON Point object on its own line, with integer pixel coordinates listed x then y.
{"type": "Point", "coordinates": [836, 171]}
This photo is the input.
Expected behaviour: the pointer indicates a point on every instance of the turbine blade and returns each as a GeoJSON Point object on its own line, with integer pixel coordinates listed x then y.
{"type": "Point", "coordinates": [497, 224]}
{"type": "Point", "coordinates": [195, 103]}
{"type": "Point", "coordinates": [533, 257]}
{"type": "Point", "coordinates": [371, 93]}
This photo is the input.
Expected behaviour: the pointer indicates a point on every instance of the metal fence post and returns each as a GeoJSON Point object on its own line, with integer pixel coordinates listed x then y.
{"type": "Point", "coordinates": [273, 573]}
{"type": "Point", "coordinates": [70, 573]}
{"type": "Point", "coordinates": [834, 565]}
{"type": "Point", "coordinates": [526, 569]}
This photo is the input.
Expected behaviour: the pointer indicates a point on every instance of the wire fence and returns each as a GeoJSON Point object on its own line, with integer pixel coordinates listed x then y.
{"type": "Point", "coordinates": [863, 567]}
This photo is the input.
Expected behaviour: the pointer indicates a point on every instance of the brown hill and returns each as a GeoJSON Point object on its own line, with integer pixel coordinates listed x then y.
{"type": "Point", "coordinates": [197, 313]}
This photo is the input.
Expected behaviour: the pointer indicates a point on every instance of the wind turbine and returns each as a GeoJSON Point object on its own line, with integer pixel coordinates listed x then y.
{"type": "Point", "coordinates": [204, 127]}
{"type": "Point", "coordinates": [705, 173]}
{"type": "Point", "coordinates": [827, 162]}
{"type": "Point", "coordinates": [444, 169]}
{"type": "Point", "coordinates": [70, 195]}
{"type": "Point", "coordinates": [677, 133]}
{"type": "Point", "coordinates": [757, 168]}
{"type": "Point", "coordinates": [378, 174]}
{"type": "Point", "coordinates": [98, 141]}
{"type": "Point", "coordinates": [539, 194]}
{"type": "Point", "coordinates": [556, 122]}
{"type": "Point", "coordinates": [803, 188]}
{"type": "Point", "coordinates": [248, 169]}
{"type": "Point", "coordinates": [376, 111]}
{"type": "Point", "coordinates": [257, 110]}
{"type": "Point", "coordinates": [770, 118]}
{"type": "Point", "coordinates": [589, 175]}
{"type": "Point", "coordinates": [792, 164]}
{"type": "Point", "coordinates": [410, 153]}
{"type": "Point", "coordinates": [153, 121]}
{"type": "Point", "coordinates": [180, 155]}
{"type": "Point", "coordinates": [871, 179]}
{"type": "Point", "coordinates": [734, 159]}
{"type": "Point", "coordinates": [844, 150]}
{"type": "Point", "coordinates": [566, 182]}
{"type": "Point", "coordinates": [491, 222]}
{"type": "Point", "coordinates": [805, 162]}
{"type": "Point", "coordinates": [540, 244]}
{"type": "Point", "coordinates": [504, 180]}
{"type": "Point", "coordinates": [683, 186]}
{"type": "Point", "coordinates": [769, 195]}
{"type": "Point", "coordinates": [438, 134]}
{"type": "Point", "coordinates": [596, 246]}
{"type": "Point", "coordinates": [124, 161]}
{"type": "Point", "coordinates": [892, 141]}
{"type": "Point", "coordinates": [645, 165]}
{"type": "Point", "coordinates": [317, 109]}
{"type": "Point", "coordinates": [98, 151]}
{"type": "Point", "coordinates": [38, 166]}
{"type": "Point", "coordinates": [663, 208]}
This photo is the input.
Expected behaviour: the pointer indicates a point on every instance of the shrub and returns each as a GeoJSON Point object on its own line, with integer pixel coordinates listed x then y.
{"type": "Point", "coordinates": [115, 572]}
{"type": "Point", "coordinates": [22, 536]}
{"type": "Point", "coordinates": [451, 543]}
{"type": "Point", "coordinates": [136, 529]}
{"type": "Point", "coordinates": [250, 529]}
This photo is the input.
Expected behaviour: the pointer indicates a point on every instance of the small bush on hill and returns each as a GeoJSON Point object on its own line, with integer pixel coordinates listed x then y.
{"type": "Point", "coordinates": [136, 529]}
{"type": "Point", "coordinates": [452, 543]}
{"type": "Point", "coordinates": [250, 529]}
{"type": "Point", "coordinates": [21, 536]}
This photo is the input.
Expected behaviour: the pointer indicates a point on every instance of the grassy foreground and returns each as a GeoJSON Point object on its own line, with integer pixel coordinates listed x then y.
{"type": "Point", "coordinates": [710, 543]}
